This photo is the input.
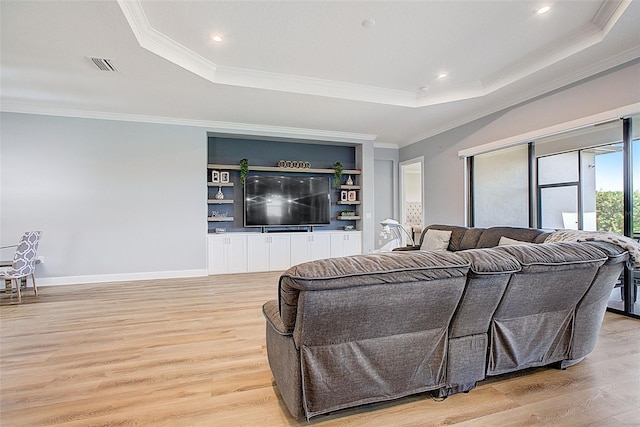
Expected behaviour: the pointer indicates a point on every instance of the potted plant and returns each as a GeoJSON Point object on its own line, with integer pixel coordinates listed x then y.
{"type": "Point", "coordinates": [337, 175]}
{"type": "Point", "coordinates": [244, 170]}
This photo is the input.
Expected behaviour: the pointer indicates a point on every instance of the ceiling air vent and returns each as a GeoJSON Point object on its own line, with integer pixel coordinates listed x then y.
{"type": "Point", "coordinates": [106, 64]}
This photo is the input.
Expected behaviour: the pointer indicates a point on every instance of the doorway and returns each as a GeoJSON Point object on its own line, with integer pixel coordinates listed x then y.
{"type": "Point", "coordinates": [412, 196]}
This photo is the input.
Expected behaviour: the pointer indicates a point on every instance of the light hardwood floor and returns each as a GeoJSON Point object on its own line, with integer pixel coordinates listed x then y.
{"type": "Point", "coordinates": [191, 352]}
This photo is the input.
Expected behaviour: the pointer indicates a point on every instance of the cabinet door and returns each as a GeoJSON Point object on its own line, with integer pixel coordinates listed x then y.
{"type": "Point", "coordinates": [258, 253]}
{"type": "Point", "coordinates": [215, 255]}
{"type": "Point", "coordinates": [352, 242]}
{"type": "Point", "coordinates": [320, 246]}
{"type": "Point", "coordinates": [236, 253]}
{"type": "Point", "coordinates": [279, 252]}
{"type": "Point", "coordinates": [299, 248]}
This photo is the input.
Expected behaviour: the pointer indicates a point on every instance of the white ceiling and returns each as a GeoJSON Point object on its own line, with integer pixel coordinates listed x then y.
{"type": "Point", "coordinates": [306, 69]}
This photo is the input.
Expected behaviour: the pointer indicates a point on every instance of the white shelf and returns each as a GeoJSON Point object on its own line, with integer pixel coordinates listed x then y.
{"type": "Point", "coordinates": [355, 202]}
{"type": "Point", "coordinates": [220, 219]}
{"type": "Point", "coordinates": [348, 217]}
{"type": "Point", "coordinates": [349, 187]}
{"type": "Point", "coordinates": [220, 184]}
{"type": "Point", "coordinates": [219, 202]}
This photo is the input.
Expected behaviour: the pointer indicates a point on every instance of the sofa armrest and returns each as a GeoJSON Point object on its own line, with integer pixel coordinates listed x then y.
{"type": "Point", "coordinates": [271, 312]}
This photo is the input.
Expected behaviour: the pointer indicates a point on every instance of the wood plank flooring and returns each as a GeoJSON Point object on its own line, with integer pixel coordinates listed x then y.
{"type": "Point", "coordinates": [191, 352]}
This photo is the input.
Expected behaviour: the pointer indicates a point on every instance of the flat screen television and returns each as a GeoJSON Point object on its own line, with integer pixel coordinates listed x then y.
{"type": "Point", "coordinates": [286, 201]}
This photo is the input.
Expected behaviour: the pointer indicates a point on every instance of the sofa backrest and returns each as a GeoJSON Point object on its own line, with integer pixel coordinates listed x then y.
{"type": "Point", "coordinates": [363, 274]}
{"type": "Point", "coordinates": [380, 319]}
{"type": "Point", "coordinates": [533, 324]}
{"type": "Point", "coordinates": [463, 238]}
{"type": "Point", "coordinates": [590, 310]}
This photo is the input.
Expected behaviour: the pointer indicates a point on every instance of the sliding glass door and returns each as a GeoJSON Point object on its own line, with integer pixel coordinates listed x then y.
{"type": "Point", "coordinates": [584, 179]}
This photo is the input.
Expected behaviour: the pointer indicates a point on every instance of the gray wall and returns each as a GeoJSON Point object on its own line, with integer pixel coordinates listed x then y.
{"type": "Point", "coordinates": [386, 185]}
{"type": "Point", "coordinates": [113, 199]}
{"type": "Point", "coordinates": [444, 170]}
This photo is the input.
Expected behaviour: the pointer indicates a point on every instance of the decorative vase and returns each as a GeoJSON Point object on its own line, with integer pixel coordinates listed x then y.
{"type": "Point", "coordinates": [219, 195]}
{"type": "Point", "coordinates": [349, 181]}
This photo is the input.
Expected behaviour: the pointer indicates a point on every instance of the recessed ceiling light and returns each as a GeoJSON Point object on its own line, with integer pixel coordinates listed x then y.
{"type": "Point", "coordinates": [442, 75]}
{"type": "Point", "coordinates": [217, 38]}
{"type": "Point", "coordinates": [368, 23]}
{"type": "Point", "coordinates": [543, 9]}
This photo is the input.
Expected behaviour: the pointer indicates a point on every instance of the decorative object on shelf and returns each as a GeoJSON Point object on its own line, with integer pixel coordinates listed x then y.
{"type": "Point", "coordinates": [348, 213]}
{"type": "Point", "coordinates": [337, 175]}
{"type": "Point", "coordinates": [344, 196]}
{"type": "Point", "coordinates": [224, 177]}
{"type": "Point", "coordinates": [244, 170]}
{"type": "Point", "coordinates": [393, 227]}
{"type": "Point", "coordinates": [220, 230]}
{"type": "Point", "coordinates": [349, 228]}
{"type": "Point", "coordinates": [215, 176]}
{"type": "Point", "coordinates": [294, 164]}
{"type": "Point", "coordinates": [351, 196]}
{"type": "Point", "coordinates": [214, 214]}
{"type": "Point", "coordinates": [349, 181]}
{"type": "Point", "coordinates": [219, 195]}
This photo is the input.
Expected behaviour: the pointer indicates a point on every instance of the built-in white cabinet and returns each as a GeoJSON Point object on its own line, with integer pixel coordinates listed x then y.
{"type": "Point", "coordinates": [226, 253]}
{"type": "Point", "coordinates": [345, 244]}
{"type": "Point", "coordinates": [253, 252]}
{"type": "Point", "coordinates": [268, 252]}
{"type": "Point", "coordinates": [309, 247]}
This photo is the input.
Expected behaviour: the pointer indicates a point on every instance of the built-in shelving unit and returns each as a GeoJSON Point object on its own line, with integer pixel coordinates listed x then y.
{"type": "Point", "coordinates": [350, 189]}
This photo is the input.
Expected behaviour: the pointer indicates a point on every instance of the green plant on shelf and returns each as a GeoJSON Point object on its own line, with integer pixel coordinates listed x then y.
{"type": "Point", "coordinates": [244, 170]}
{"type": "Point", "coordinates": [337, 175]}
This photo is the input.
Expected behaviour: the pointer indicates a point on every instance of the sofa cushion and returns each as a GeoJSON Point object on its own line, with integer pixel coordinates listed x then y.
{"type": "Point", "coordinates": [471, 238]}
{"type": "Point", "coordinates": [436, 240]}
{"type": "Point", "coordinates": [457, 233]}
{"type": "Point", "coordinates": [491, 236]}
{"type": "Point", "coordinates": [490, 261]}
{"type": "Point", "coordinates": [507, 241]}
{"type": "Point", "coordinates": [560, 256]}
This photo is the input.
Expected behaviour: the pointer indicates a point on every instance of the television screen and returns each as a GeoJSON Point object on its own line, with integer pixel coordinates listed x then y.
{"type": "Point", "coordinates": [287, 200]}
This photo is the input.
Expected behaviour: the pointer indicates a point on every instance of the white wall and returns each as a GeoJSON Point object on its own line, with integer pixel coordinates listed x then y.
{"type": "Point", "coordinates": [115, 200]}
{"type": "Point", "coordinates": [444, 170]}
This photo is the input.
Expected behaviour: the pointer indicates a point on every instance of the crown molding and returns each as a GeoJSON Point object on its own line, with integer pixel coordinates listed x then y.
{"type": "Point", "coordinates": [246, 129]}
{"type": "Point", "coordinates": [156, 42]}
{"type": "Point", "coordinates": [385, 145]}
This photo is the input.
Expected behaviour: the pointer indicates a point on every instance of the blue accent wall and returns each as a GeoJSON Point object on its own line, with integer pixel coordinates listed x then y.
{"type": "Point", "coordinates": [229, 151]}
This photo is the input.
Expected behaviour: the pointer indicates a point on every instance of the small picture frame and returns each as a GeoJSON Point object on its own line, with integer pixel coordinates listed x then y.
{"type": "Point", "coordinates": [344, 196]}
{"type": "Point", "coordinates": [215, 176]}
{"type": "Point", "coordinates": [351, 196]}
{"type": "Point", "coordinates": [224, 177]}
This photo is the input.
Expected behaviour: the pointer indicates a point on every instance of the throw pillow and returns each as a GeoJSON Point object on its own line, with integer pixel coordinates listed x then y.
{"type": "Point", "coordinates": [436, 240]}
{"type": "Point", "coordinates": [507, 241]}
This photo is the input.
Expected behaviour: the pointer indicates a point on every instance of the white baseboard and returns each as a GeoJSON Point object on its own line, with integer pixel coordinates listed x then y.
{"type": "Point", "coordinates": [121, 277]}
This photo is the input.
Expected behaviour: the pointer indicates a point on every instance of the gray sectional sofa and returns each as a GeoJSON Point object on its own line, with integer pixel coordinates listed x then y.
{"type": "Point", "coordinates": [370, 328]}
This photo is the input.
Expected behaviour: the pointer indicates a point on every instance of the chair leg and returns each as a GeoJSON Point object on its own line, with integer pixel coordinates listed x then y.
{"type": "Point", "coordinates": [35, 288]}
{"type": "Point", "coordinates": [18, 290]}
